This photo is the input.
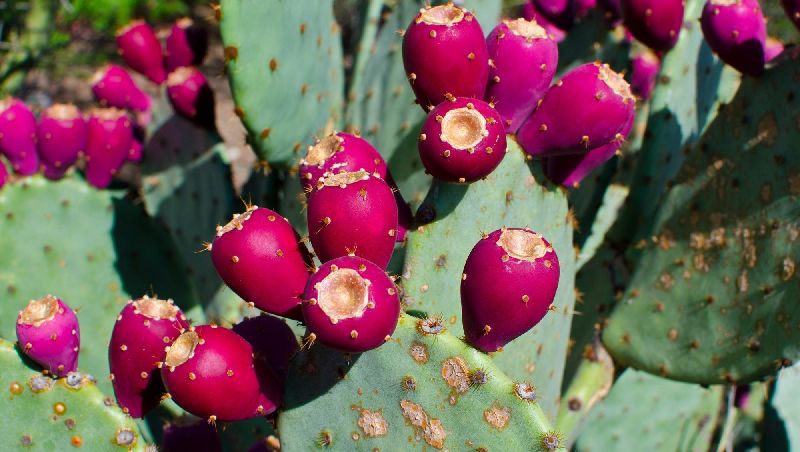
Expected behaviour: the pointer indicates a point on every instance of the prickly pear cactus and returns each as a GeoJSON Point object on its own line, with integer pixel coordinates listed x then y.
{"type": "Point", "coordinates": [106, 251]}
{"type": "Point", "coordinates": [713, 297]}
{"type": "Point", "coordinates": [423, 389]}
{"type": "Point", "coordinates": [645, 412]}
{"type": "Point", "coordinates": [45, 414]}
{"type": "Point", "coordinates": [284, 61]}
{"type": "Point", "coordinates": [451, 220]}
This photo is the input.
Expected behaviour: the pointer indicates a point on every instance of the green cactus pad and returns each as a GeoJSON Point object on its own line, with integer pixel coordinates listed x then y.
{"type": "Point", "coordinates": [285, 67]}
{"type": "Point", "coordinates": [93, 249]}
{"type": "Point", "coordinates": [714, 296]}
{"type": "Point", "coordinates": [511, 196]}
{"type": "Point", "coordinates": [43, 414]}
{"type": "Point", "coordinates": [644, 412]}
{"type": "Point", "coordinates": [412, 393]}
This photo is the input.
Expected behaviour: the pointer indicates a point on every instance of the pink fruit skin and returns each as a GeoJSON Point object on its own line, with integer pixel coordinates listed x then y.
{"type": "Point", "coordinates": [578, 113]}
{"type": "Point", "coordinates": [655, 23]}
{"type": "Point", "coordinates": [357, 333]}
{"type": "Point", "coordinates": [186, 45]}
{"type": "Point", "coordinates": [139, 47]}
{"type": "Point", "coordinates": [360, 218]}
{"type": "Point", "coordinates": [737, 33]}
{"type": "Point", "coordinates": [494, 290]}
{"type": "Point", "coordinates": [772, 49]}
{"type": "Point", "coordinates": [54, 343]}
{"type": "Point", "coordinates": [442, 59]}
{"type": "Point", "coordinates": [444, 161]}
{"type": "Point", "coordinates": [143, 328]}
{"type": "Point", "coordinates": [792, 8]}
{"type": "Point", "coordinates": [355, 153]}
{"type": "Point", "coordinates": [3, 174]}
{"type": "Point", "coordinates": [559, 12]}
{"type": "Point", "coordinates": [644, 73]}
{"type": "Point", "coordinates": [521, 71]}
{"type": "Point", "coordinates": [62, 136]}
{"type": "Point", "coordinates": [529, 12]}
{"type": "Point", "coordinates": [582, 7]}
{"type": "Point", "coordinates": [112, 86]}
{"type": "Point", "coordinates": [110, 134]}
{"type": "Point", "coordinates": [222, 378]}
{"type": "Point", "coordinates": [263, 261]}
{"type": "Point", "coordinates": [136, 152]}
{"type": "Point", "coordinates": [190, 437]}
{"type": "Point", "coordinates": [570, 170]}
{"type": "Point", "coordinates": [18, 136]}
{"type": "Point", "coordinates": [191, 96]}
{"type": "Point", "coordinates": [272, 339]}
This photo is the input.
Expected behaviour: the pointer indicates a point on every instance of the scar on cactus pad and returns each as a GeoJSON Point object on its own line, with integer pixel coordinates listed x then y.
{"type": "Point", "coordinates": [48, 332]}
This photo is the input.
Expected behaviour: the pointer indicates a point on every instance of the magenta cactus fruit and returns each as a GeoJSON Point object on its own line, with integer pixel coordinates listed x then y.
{"type": "Point", "coordinates": [3, 174]}
{"type": "Point", "coordinates": [445, 55]}
{"type": "Point", "coordinates": [139, 47]}
{"type": "Point", "coordinates": [62, 134]}
{"type": "Point", "coordinates": [529, 12]}
{"type": "Point", "coordinates": [582, 7]}
{"type": "Point", "coordinates": [524, 59]}
{"type": "Point", "coordinates": [655, 23]}
{"type": "Point", "coordinates": [110, 134]}
{"type": "Point", "coordinates": [112, 86]}
{"type": "Point", "coordinates": [211, 372]}
{"type": "Point", "coordinates": [143, 328]}
{"type": "Point", "coordinates": [18, 136]}
{"type": "Point", "coordinates": [353, 213]}
{"type": "Point", "coordinates": [772, 48]}
{"type": "Point", "coordinates": [136, 152]}
{"type": "Point", "coordinates": [570, 170]}
{"type": "Point", "coordinates": [509, 283]}
{"type": "Point", "coordinates": [48, 333]}
{"type": "Point", "coordinates": [586, 109]}
{"type": "Point", "coordinates": [559, 12]}
{"type": "Point", "coordinates": [186, 44]}
{"type": "Point", "coordinates": [736, 31]}
{"type": "Point", "coordinates": [792, 8]}
{"type": "Point", "coordinates": [260, 257]}
{"type": "Point", "coordinates": [644, 73]}
{"type": "Point", "coordinates": [271, 339]}
{"type": "Point", "coordinates": [191, 96]}
{"type": "Point", "coordinates": [190, 434]}
{"type": "Point", "coordinates": [351, 304]}
{"type": "Point", "coordinates": [462, 140]}
{"type": "Point", "coordinates": [336, 153]}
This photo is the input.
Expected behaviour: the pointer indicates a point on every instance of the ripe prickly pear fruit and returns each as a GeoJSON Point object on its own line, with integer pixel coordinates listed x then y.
{"type": "Point", "coordinates": [61, 136]}
{"type": "Point", "coordinates": [524, 59]}
{"type": "Point", "coordinates": [559, 12]}
{"type": "Point", "coordinates": [110, 134]}
{"type": "Point", "coordinates": [139, 47]}
{"type": "Point", "coordinates": [570, 170]}
{"type": "Point", "coordinates": [3, 174]}
{"type": "Point", "coordinates": [587, 108]}
{"type": "Point", "coordinates": [18, 136]}
{"type": "Point", "coordinates": [772, 48]}
{"type": "Point", "coordinates": [736, 31]}
{"type": "Point", "coordinates": [509, 283]}
{"type": "Point", "coordinates": [189, 434]}
{"type": "Point", "coordinates": [48, 333]}
{"type": "Point", "coordinates": [271, 339]}
{"type": "Point", "coordinates": [259, 256]}
{"type": "Point", "coordinates": [644, 73]}
{"type": "Point", "coordinates": [792, 8]}
{"type": "Point", "coordinates": [353, 213]}
{"type": "Point", "coordinates": [191, 96]}
{"type": "Point", "coordinates": [530, 12]}
{"type": "Point", "coordinates": [143, 328]}
{"type": "Point", "coordinates": [451, 37]}
{"type": "Point", "coordinates": [342, 152]}
{"type": "Point", "coordinates": [655, 23]}
{"type": "Point", "coordinates": [186, 44]}
{"type": "Point", "coordinates": [351, 304]}
{"type": "Point", "coordinates": [211, 372]}
{"type": "Point", "coordinates": [112, 86]}
{"type": "Point", "coordinates": [462, 140]}
{"type": "Point", "coordinates": [136, 152]}
{"type": "Point", "coordinates": [582, 7]}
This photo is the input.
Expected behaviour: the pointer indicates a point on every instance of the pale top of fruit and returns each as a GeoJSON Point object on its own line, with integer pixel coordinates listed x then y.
{"type": "Point", "coordinates": [528, 29]}
{"type": "Point", "coordinates": [39, 311]}
{"type": "Point", "coordinates": [343, 294]}
{"type": "Point", "coordinates": [62, 112]}
{"type": "Point", "coordinates": [237, 222]}
{"type": "Point", "coordinates": [615, 81]}
{"type": "Point", "coordinates": [345, 179]}
{"type": "Point", "coordinates": [523, 245]}
{"type": "Point", "coordinates": [182, 349]}
{"type": "Point", "coordinates": [441, 15]}
{"type": "Point", "coordinates": [323, 150]}
{"type": "Point", "coordinates": [155, 308]}
{"type": "Point", "coordinates": [463, 128]}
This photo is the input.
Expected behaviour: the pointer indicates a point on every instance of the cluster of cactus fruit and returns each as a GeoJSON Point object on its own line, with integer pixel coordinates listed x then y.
{"type": "Point", "coordinates": [425, 325]}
